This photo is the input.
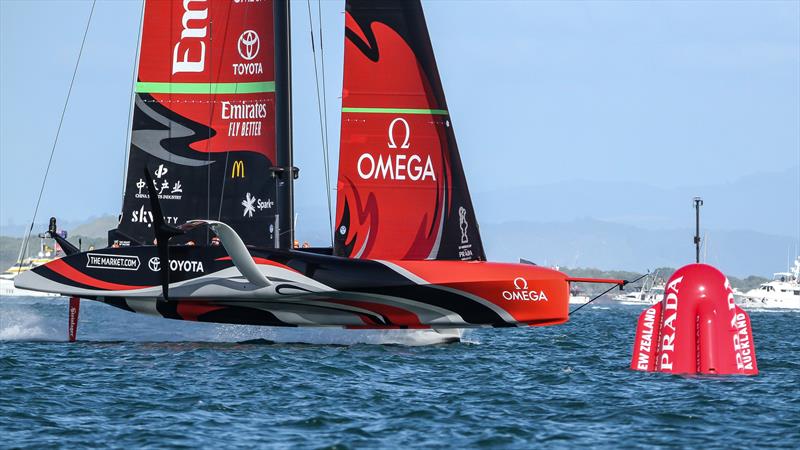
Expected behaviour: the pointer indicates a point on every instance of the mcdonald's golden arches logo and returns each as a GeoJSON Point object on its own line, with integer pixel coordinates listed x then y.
{"type": "Point", "coordinates": [238, 169]}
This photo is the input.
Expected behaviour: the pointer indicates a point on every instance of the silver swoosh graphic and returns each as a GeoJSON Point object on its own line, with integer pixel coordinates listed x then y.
{"type": "Point", "coordinates": [149, 141]}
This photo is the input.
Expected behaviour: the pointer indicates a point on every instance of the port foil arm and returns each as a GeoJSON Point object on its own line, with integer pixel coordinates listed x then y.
{"type": "Point", "coordinates": [235, 248]}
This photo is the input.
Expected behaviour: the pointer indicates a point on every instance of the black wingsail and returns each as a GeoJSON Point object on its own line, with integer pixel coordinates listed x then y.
{"type": "Point", "coordinates": [204, 121]}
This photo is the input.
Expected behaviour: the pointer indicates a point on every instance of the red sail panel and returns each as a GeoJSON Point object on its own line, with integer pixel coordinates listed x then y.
{"type": "Point", "coordinates": [401, 193]}
{"type": "Point", "coordinates": [204, 118]}
{"type": "Point", "coordinates": [213, 62]}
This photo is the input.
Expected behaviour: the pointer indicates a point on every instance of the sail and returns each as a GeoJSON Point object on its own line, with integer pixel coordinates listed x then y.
{"type": "Point", "coordinates": [204, 119]}
{"type": "Point", "coordinates": [401, 191]}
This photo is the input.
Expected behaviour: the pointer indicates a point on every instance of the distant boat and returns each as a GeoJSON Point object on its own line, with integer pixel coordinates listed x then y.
{"type": "Point", "coordinates": [783, 292]}
{"type": "Point", "coordinates": [651, 292]}
{"type": "Point", "coordinates": [7, 288]}
{"type": "Point", "coordinates": [578, 296]}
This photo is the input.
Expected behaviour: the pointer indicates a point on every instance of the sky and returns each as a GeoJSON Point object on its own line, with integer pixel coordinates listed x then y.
{"type": "Point", "coordinates": [661, 94]}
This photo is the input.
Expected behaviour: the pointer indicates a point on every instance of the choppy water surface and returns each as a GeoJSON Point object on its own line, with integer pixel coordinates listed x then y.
{"type": "Point", "coordinates": [136, 381]}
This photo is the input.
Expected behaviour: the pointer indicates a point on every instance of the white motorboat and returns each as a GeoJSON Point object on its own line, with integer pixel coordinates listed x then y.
{"type": "Point", "coordinates": [651, 292]}
{"type": "Point", "coordinates": [578, 297]}
{"type": "Point", "coordinates": [783, 292]}
{"type": "Point", "coordinates": [7, 288]}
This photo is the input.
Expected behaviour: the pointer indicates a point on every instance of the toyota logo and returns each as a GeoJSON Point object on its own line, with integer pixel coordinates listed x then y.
{"type": "Point", "coordinates": [249, 45]}
{"type": "Point", "coordinates": [154, 264]}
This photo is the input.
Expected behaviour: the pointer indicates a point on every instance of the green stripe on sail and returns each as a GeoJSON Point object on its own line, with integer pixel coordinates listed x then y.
{"type": "Point", "coordinates": [435, 112]}
{"type": "Point", "coordinates": [205, 88]}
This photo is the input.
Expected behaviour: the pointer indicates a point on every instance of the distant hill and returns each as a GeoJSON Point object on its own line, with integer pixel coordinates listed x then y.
{"type": "Point", "coordinates": [91, 227]}
{"type": "Point", "coordinates": [97, 228]}
{"type": "Point", "coordinates": [743, 284]}
{"type": "Point", "coordinates": [91, 233]}
{"type": "Point", "coordinates": [594, 243]}
{"type": "Point", "coordinates": [766, 203]}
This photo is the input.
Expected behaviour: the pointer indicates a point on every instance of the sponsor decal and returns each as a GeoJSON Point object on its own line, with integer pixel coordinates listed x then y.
{"type": "Point", "coordinates": [243, 110]}
{"type": "Point", "coordinates": [161, 171]}
{"type": "Point", "coordinates": [248, 46]}
{"type": "Point", "coordinates": [250, 204]}
{"type": "Point", "coordinates": [465, 249]}
{"type": "Point", "coordinates": [146, 216]}
{"type": "Point", "coordinates": [741, 343]}
{"type": "Point", "coordinates": [176, 265]}
{"type": "Point", "coordinates": [405, 144]}
{"type": "Point", "coordinates": [237, 171]}
{"type": "Point", "coordinates": [667, 344]}
{"type": "Point", "coordinates": [262, 205]}
{"type": "Point", "coordinates": [522, 293]}
{"type": "Point", "coordinates": [73, 318]}
{"type": "Point", "coordinates": [396, 165]}
{"type": "Point", "coordinates": [166, 191]}
{"type": "Point", "coordinates": [114, 262]}
{"type": "Point", "coordinates": [462, 223]}
{"type": "Point", "coordinates": [189, 53]}
{"type": "Point", "coordinates": [646, 342]}
{"type": "Point", "coordinates": [241, 115]}
{"type": "Point", "coordinates": [342, 230]}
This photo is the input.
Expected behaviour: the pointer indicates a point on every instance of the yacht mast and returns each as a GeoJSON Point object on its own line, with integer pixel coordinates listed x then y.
{"type": "Point", "coordinates": [285, 172]}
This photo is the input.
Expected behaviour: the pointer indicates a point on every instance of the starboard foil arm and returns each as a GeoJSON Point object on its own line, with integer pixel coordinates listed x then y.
{"type": "Point", "coordinates": [236, 249]}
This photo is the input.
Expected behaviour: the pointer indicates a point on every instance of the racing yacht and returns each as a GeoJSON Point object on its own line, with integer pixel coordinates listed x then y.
{"type": "Point", "coordinates": [206, 231]}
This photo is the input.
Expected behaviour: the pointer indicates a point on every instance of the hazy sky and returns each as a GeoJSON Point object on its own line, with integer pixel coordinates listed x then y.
{"type": "Point", "coordinates": [669, 94]}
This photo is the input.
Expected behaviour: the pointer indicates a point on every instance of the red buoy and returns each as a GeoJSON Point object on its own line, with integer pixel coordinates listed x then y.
{"type": "Point", "coordinates": [695, 328]}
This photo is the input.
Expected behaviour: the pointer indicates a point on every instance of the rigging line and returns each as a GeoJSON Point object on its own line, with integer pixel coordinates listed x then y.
{"type": "Point", "coordinates": [606, 292]}
{"type": "Point", "coordinates": [126, 147]}
{"type": "Point", "coordinates": [325, 118]}
{"type": "Point", "coordinates": [321, 123]}
{"type": "Point", "coordinates": [24, 248]}
{"type": "Point", "coordinates": [210, 119]}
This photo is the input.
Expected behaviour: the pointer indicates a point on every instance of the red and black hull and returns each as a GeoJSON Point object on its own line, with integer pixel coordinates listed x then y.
{"type": "Point", "coordinates": [309, 289]}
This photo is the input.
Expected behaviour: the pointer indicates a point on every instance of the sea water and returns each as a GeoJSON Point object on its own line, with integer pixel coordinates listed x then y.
{"type": "Point", "coordinates": [134, 381]}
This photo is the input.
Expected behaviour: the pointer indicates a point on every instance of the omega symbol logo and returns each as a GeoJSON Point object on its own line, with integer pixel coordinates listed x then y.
{"type": "Point", "coordinates": [392, 143]}
{"type": "Point", "coordinates": [520, 283]}
{"type": "Point", "coordinates": [249, 44]}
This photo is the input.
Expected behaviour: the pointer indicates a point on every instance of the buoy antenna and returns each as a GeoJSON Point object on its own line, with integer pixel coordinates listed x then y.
{"type": "Point", "coordinates": [698, 202]}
